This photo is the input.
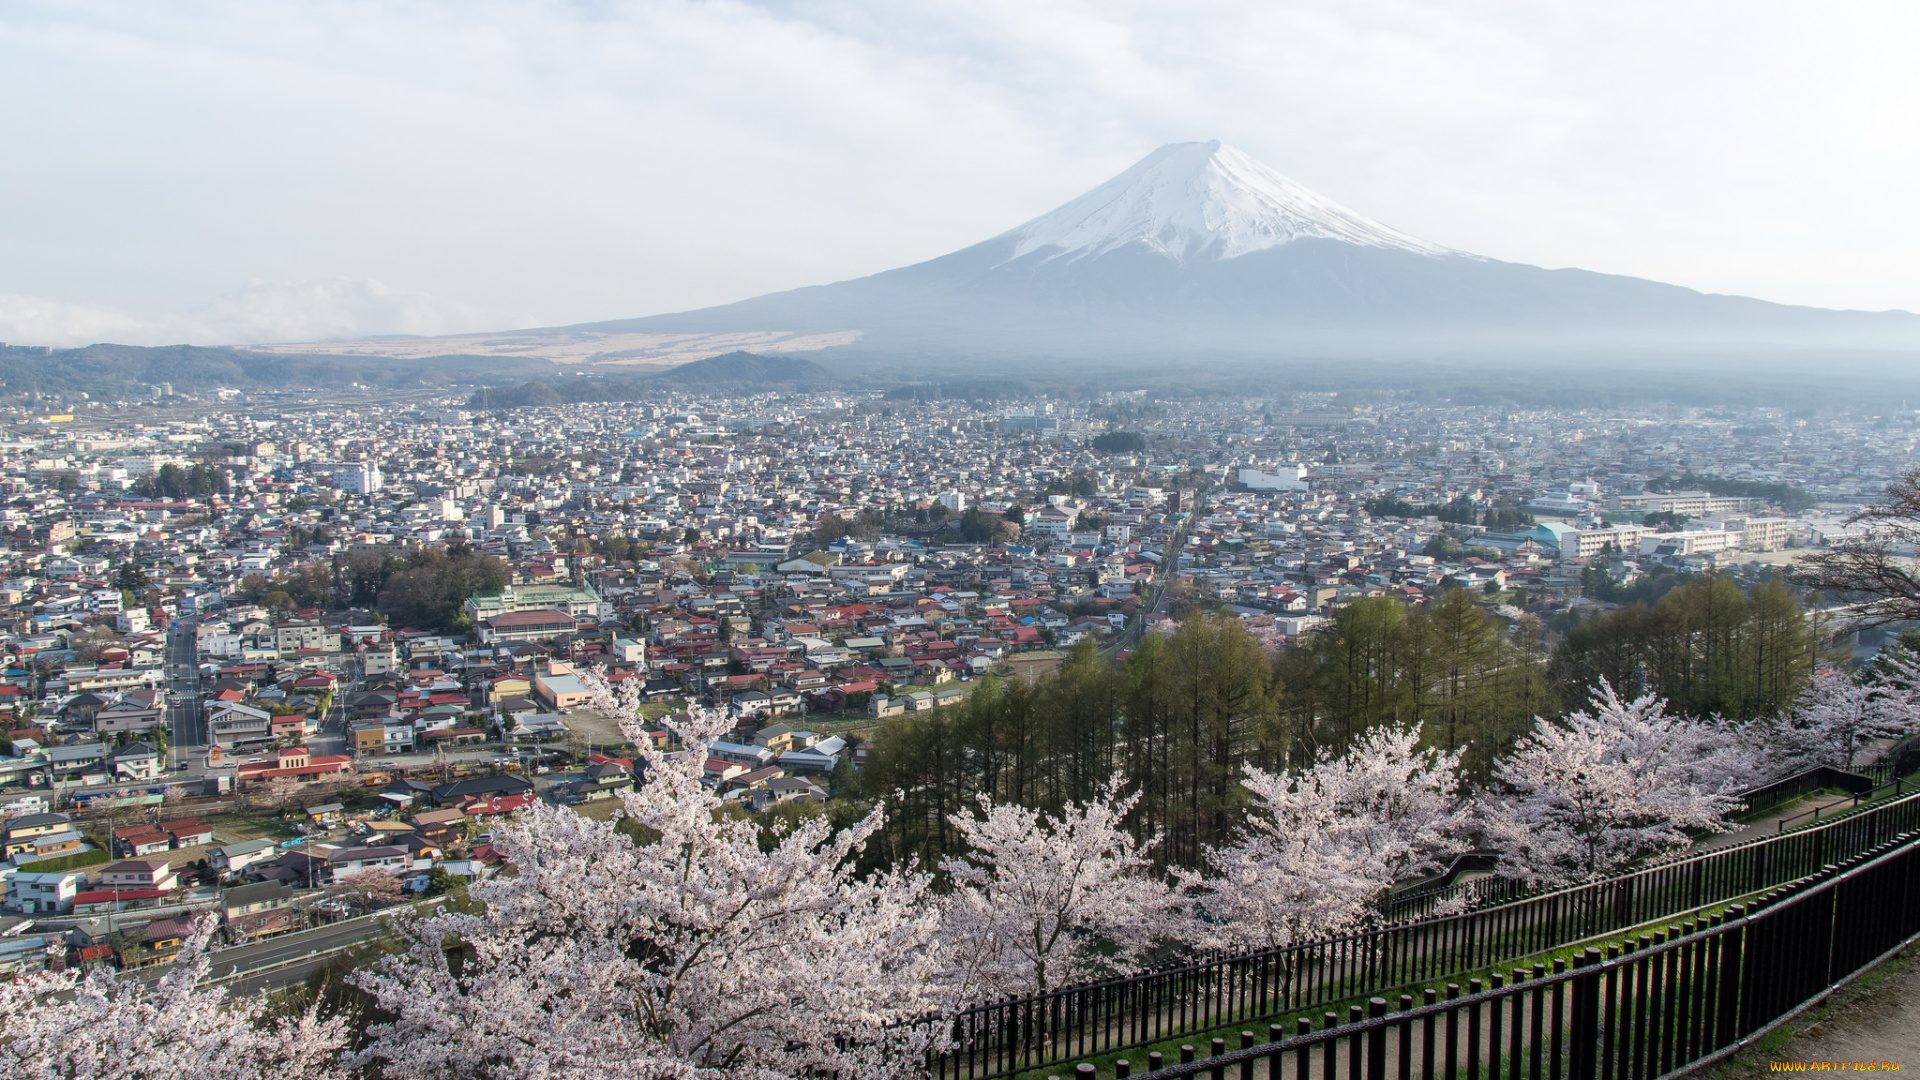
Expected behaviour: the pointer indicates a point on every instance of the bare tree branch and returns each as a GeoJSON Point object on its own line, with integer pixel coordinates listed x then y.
{"type": "Point", "coordinates": [1871, 573]}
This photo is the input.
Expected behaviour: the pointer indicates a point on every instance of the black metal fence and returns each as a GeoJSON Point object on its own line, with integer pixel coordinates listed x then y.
{"type": "Point", "coordinates": [1073, 1023]}
{"type": "Point", "coordinates": [1645, 1008]}
{"type": "Point", "coordinates": [1820, 778]}
{"type": "Point", "coordinates": [1902, 759]}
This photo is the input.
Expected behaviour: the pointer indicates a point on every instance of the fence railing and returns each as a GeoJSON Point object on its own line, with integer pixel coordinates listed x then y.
{"type": "Point", "coordinates": [1866, 785]}
{"type": "Point", "coordinates": [1022, 1034]}
{"type": "Point", "coordinates": [1787, 789]}
{"type": "Point", "coordinates": [1901, 759]}
{"type": "Point", "coordinates": [1895, 788]}
{"type": "Point", "coordinates": [1672, 999]}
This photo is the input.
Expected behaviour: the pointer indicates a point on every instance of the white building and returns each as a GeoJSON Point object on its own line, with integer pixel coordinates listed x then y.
{"type": "Point", "coordinates": [1693, 542]}
{"type": "Point", "coordinates": [1283, 478]}
{"type": "Point", "coordinates": [1586, 543]}
{"type": "Point", "coordinates": [360, 478]}
{"type": "Point", "coordinates": [1756, 533]}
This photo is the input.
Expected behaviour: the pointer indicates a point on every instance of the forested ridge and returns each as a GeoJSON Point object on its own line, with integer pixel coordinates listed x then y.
{"type": "Point", "coordinates": [1184, 715]}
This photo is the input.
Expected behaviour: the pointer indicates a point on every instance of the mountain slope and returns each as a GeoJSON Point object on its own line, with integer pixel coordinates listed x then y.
{"type": "Point", "coordinates": [736, 371]}
{"type": "Point", "coordinates": [1200, 248]}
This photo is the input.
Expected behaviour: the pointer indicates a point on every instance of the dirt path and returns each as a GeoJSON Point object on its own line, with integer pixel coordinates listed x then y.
{"type": "Point", "coordinates": [1877, 1019]}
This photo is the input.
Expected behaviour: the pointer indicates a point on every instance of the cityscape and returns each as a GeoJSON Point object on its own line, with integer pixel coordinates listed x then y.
{"type": "Point", "coordinates": [802, 561]}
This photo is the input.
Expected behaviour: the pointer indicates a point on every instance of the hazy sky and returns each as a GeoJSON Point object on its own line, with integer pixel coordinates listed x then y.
{"type": "Point", "coordinates": [249, 171]}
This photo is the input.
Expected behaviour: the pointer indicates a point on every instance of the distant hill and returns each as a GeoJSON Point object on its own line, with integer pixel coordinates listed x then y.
{"type": "Point", "coordinates": [750, 371]}
{"type": "Point", "coordinates": [734, 371]}
{"type": "Point", "coordinates": [127, 371]}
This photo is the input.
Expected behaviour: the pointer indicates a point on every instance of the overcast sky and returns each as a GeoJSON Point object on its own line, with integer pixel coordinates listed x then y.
{"type": "Point", "coordinates": [251, 171]}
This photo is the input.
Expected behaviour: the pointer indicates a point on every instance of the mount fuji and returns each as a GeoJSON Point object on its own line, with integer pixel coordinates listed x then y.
{"type": "Point", "coordinates": [1199, 248]}
{"type": "Point", "coordinates": [1200, 251]}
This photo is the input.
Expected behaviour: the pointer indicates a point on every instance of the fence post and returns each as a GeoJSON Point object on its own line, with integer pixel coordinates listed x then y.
{"type": "Point", "coordinates": [1559, 1016]}
{"type": "Point", "coordinates": [1377, 1041]}
{"type": "Point", "coordinates": [1494, 1010]}
{"type": "Point", "coordinates": [1426, 1035]}
{"type": "Point", "coordinates": [1473, 1031]}
{"type": "Point", "coordinates": [1585, 1033]}
{"type": "Point", "coordinates": [1453, 1034]}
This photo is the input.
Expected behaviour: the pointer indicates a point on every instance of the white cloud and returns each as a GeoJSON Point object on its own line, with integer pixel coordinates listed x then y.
{"type": "Point", "coordinates": [599, 160]}
{"type": "Point", "coordinates": [255, 313]}
{"type": "Point", "coordinates": [34, 320]}
{"type": "Point", "coordinates": [340, 308]}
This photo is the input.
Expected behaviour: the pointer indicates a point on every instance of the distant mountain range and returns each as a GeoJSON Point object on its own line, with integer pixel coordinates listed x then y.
{"type": "Point", "coordinates": [1198, 266]}
{"type": "Point", "coordinates": [131, 371]}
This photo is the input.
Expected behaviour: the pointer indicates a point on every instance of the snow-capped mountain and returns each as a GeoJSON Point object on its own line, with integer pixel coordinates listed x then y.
{"type": "Point", "coordinates": [1200, 249]}
{"type": "Point", "coordinates": [1200, 200]}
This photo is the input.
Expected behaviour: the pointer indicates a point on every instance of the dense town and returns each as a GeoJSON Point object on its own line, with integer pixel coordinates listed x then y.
{"type": "Point", "coordinates": [287, 662]}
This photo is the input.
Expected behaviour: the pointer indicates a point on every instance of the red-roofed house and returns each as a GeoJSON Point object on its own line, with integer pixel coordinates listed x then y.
{"type": "Point", "coordinates": [101, 901]}
{"type": "Point", "coordinates": [297, 764]}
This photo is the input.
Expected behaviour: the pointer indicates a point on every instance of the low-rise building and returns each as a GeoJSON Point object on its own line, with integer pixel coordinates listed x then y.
{"type": "Point", "coordinates": [43, 893]}
{"type": "Point", "coordinates": [236, 857]}
{"type": "Point", "coordinates": [138, 874]}
{"type": "Point", "coordinates": [261, 910]}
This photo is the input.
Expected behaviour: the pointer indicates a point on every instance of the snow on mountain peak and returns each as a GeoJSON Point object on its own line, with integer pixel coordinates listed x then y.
{"type": "Point", "coordinates": [1187, 200]}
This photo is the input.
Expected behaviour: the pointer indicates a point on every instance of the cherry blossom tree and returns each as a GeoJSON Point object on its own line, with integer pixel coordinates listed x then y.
{"type": "Point", "coordinates": [1318, 847]}
{"type": "Point", "coordinates": [69, 1026]}
{"type": "Point", "coordinates": [367, 889]}
{"type": "Point", "coordinates": [1896, 673]}
{"type": "Point", "coordinates": [1042, 900]}
{"type": "Point", "coordinates": [1826, 726]}
{"type": "Point", "coordinates": [279, 790]}
{"type": "Point", "coordinates": [687, 951]}
{"type": "Point", "coordinates": [1839, 714]}
{"type": "Point", "coordinates": [1609, 785]}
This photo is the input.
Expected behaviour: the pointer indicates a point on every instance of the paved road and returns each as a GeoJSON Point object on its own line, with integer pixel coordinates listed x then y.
{"type": "Point", "coordinates": [277, 950]}
{"type": "Point", "coordinates": [185, 728]}
{"type": "Point", "coordinates": [278, 963]}
{"type": "Point", "coordinates": [1156, 597]}
{"type": "Point", "coordinates": [312, 948]}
